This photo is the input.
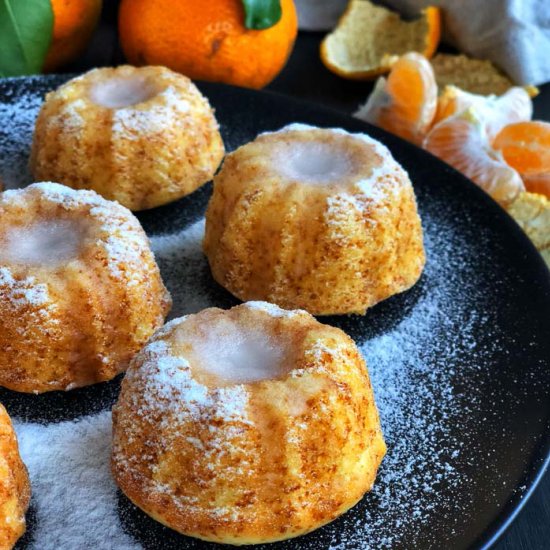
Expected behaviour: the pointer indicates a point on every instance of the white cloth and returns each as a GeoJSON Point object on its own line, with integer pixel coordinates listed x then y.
{"type": "Point", "coordinates": [514, 34]}
{"type": "Point", "coordinates": [319, 15]}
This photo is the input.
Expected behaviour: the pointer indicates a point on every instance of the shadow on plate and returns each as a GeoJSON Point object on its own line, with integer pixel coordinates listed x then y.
{"type": "Point", "coordinates": [381, 318]}
{"type": "Point", "coordinates": [177, 214]}
{"type": "Point", "coordinates": [26, 540]}
{"type": "Point", "coordinates": [58, 406]}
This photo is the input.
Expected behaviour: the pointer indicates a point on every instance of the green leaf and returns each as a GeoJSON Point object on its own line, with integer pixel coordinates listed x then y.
{"type": "Point", "coordinates": [26, 28]}
{"type": "Point", "coordinates": [261, 14]}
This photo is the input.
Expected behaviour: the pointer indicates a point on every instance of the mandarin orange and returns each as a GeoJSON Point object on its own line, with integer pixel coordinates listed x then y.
{"type": "Point", "coordinates": [404, 104]}
{"type": "Point", "coordinates": [526, 147]}
{"type": "Point", "coordinates": [462, 142]}
{"type": "Point", "coordinates": [206, 40]}
{"type": "Point", "coordinates": [74, 23]}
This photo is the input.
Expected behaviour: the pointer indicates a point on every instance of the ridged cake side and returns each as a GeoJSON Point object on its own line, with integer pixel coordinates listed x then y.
{"type": "Point", "coordinates": [339, 246]}
{"type": "Point", "coordinates": [251, 462]}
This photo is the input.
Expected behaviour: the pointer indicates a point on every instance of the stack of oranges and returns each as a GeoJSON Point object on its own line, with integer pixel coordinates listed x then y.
{"type": "Point", "coordinates": [491, 139]}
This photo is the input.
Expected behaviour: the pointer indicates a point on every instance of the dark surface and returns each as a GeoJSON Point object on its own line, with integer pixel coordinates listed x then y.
{"type": "Point", "coordinates": [508, 433]}
{"type": "Point", "coordinates": [305, 77]}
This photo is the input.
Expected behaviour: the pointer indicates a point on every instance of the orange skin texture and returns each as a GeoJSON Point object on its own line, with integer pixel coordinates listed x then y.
{"type": "Point", "coordinates": [74, 23]}
{"type": "Point", "coordinates": [206, 41]}
{"type": "Point", "coordinates": [526, 147]}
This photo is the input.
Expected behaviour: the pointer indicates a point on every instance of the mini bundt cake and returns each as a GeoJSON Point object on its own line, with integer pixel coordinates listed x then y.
{"type": "Point", "coordinates": [245, 426]}
{"type": "Point", "coordinates": [80, 292]}
{"type": "Point", "coordinates": [317, 219]}
{"type": "Point", "coordinates": [142, 136]}
{"type": "Point", "coordinates": [15, 489]}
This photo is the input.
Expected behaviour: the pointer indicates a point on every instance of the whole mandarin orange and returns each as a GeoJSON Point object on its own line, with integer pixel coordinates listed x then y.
{"type": "Point", "coordinates": [74, 23]}
{"type": "Point", "coordinates": [206, 40]}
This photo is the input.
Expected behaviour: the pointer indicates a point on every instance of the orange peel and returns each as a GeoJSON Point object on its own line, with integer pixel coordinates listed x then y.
{"type": "Point", "coordinates": [478, 76]}
{"type": "Point", "coordinates": [532, 213]}
{"type": "Point", "coordinates": [368, 39]}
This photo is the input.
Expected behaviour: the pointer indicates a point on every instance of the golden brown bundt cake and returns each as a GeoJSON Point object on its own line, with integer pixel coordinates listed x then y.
{"type": "Point", "coordinates": [80, 292]}
{"type": "Point", "coordinates": [248, 425]}
{"type": "Point", "coordinates": [142, 136]}
{"type": "Point", "coordinates": [15, 489]}
{"type": "Point", "coordinates": [316, 219]}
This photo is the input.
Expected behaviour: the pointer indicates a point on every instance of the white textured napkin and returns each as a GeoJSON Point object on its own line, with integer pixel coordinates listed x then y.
{"type": "Point", "coordinates": [514, 34]}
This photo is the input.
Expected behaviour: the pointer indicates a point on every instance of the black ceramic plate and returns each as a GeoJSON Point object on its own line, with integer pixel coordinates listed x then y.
{"type": "Point", "coordinates": [460, 363]}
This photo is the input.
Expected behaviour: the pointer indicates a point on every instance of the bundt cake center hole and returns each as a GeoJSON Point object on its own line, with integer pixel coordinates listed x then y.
{"type": "Point", "coordinates": [230, 354]}
{"type": "Point", "coordinates": [42, 243]}
{"type": "Point", "coordinates": [315, 162]}
{"type": "Point", "coordinates": [121, 92]}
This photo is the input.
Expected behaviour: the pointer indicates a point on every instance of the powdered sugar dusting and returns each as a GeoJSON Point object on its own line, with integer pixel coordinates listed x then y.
{"type": "Point", "coordinates": [50, 243]}
{"type": "Point", "coordinates": [169, 386]}
{"type": "Point", "coordinates": [412, 367]}
{"type": "Point", "coordinates": [272, 309]}
{"type": "Point", "coordinates": [136, 122]}
{"type": "Point", "coordinates": [73, 493]}
{"type": "Point", "coordinates": [23, 292]}
{"type": "Point", "coordinates": [115, 229]}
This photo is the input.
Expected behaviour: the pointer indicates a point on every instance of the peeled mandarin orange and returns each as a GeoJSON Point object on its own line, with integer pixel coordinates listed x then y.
{"type": "Point", "coordinates": [206, 40]}
{"type": "Point", "coordinates": [405, 103]}
{"type": "Point", "coordinates": [462, 142]}
{"type": "Point", "coordinates": [526, 147]}
{"type": "Point", "coordinates": [368, 39]}
{"type": "Point", "coordinates": [74, 23]}
{"type": "Point", "coordinates": [514, 105]}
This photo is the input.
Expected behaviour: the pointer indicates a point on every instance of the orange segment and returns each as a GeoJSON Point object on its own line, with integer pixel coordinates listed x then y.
{"type": "Point", "coordinates": [461, 141]}
{"type": "Point", "coordinates": [406, 102]}
{"type": "Point", "coordinates": [526, 146]}
{"type": "Point", "coordinates": [368, 39]}
{"type": "Point", "coordinates": [515, 105]}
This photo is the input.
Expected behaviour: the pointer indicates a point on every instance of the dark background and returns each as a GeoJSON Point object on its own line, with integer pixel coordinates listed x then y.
{"type": "Point", "coordinates": [306, 77]}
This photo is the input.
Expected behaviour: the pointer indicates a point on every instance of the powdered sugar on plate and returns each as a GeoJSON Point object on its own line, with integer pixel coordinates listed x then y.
{"type": "Point", "coordinates": [17, 117]}
{"type": "Point", "coordinates": [414, 392]}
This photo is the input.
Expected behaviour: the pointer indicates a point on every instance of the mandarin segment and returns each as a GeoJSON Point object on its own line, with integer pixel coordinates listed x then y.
{"type": "Point", "coordinates": [404, 104]}
{"type": "Point", "coordinates": [514, 105]}
{"type": "Point", "coordinates": [526, 146]}
{"type": "Point", "coordinates": [462, 142]}
{"type": "Point", "coordinates": [369, 38]}
{"type": "Point", "coordinates": [206, 40]}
